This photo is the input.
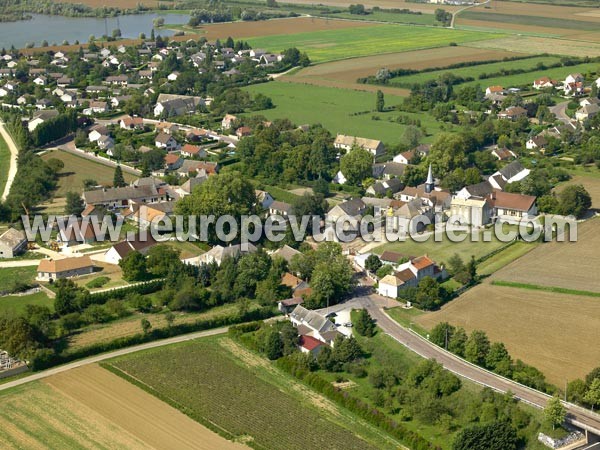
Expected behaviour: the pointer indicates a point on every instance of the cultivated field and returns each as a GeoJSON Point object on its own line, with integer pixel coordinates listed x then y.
{"type": "Point", "coordinates": [539, 45]}
{"type": "Point", "coordinates": [332, 45]}
{"type": "Point", "coordinates": [239, 30]}
{"type": "Point", "coordinates": [508, 21]}
{"type": "Point", "coordinates": [337, 110]}
{"type": "Point", "coordinates": [553, 332]}
{"type": "Point", "coordinates": [219, 382]}
{"type": "Point", "coordinates": [344, 73]}
{"type": "Point", "coordinates": [569, 265]}
{"type": "Point", "coordinates": [37, 416]}
{"type": "Point", "coordinates": [128, 413]}
{"type": "Point", "coordinates": [590, 181]}
{"type": "Point", "coordinates": [78, 169]}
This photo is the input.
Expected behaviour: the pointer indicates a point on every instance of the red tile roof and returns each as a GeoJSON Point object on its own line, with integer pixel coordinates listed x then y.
{"type": "Point", "coordinates": [310, 343]}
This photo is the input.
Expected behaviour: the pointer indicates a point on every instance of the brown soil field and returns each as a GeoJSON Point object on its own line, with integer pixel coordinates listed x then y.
{"type": "Point", "coordinates": [240, 30]}
{"type": "Point", "coordinates": [570, 265]}
{"type": "Point", "coordinates": [541, 10]}
{"type": "Point", "coordinates": [344, 73]}
{"type": "Point", "coordinates": [539, 45]}
{"type": "Point", "coordinates": [36, 416]}
{"type": "Point", "coordinates": [128, 4]}
{"type": "Point", "coordinates": [143, 416]}
{"type": "Point", "coordinates": [552, 332]}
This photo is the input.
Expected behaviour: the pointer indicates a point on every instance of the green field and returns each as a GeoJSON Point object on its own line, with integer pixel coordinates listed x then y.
{"type": "Point", "coordinates": [237, 393]}
{"type": "Point", "coordinates": [441, 252]}
{"type": "Point", "coordinates": [387, 16]}
{"type": "Point", "coordinates": [505, 257]}
{"type": "Point", "coordinates": [17, 304]}
{"type": "Point", "coordinates": [78, 169]}
{"type": "Point", "coordinates": [4, 163]}
{"type": "Point", "coordinates": [475, 71]}
{"type": "Point", "coordinates": [8, 275]}
{"type": "Point", "coordinates": [331, 45]}
{"type": "Point", "coordinates": [534, 21]}
{"type": "Point", "coordinates": [333, 108]}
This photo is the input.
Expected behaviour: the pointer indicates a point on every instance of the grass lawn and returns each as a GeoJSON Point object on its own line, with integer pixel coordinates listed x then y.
{"type": "Point", "coordinates": [281, 195]}
{"type": "Point", "coordinates": [17, 304]}
{"type": "Point", "coordinates": [224, 386]}
{"type": "Point", "coordinates": [77, 169]}
{"type": "Point", "coordinates": [329, 45]}
{"type": "Point", "coordinates": [406, 318]}
{"type": "Point", "coordinates": [475, 71]}
{"type": "Point", "coordinates": [8, 275]}
{"type": "Point", "coordinates": [336, 110]}
{"type": "Point", "coordinates": [4, 163]}
{"type": "Point", "coordinates": [443, 250]}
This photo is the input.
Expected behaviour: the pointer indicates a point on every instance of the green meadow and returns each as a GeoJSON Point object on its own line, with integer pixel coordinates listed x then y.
{"type": "Point", "coordinates": [328, 45]}
{"type": "Point", "coordinates": [336, 109]}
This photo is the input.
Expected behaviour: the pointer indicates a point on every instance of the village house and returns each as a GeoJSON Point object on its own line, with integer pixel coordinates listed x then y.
{"type": "Point", "coordinates": [95, 107]}
{"type": "Point", "coordinates": [299, 287]}
{"type": "Point", "coordinates": [264, 198]}
{"type": "Point", "coordinates": [243, 132]}
{"type": "Point", "coordinates": [152, 214]}
{"type": "Point", "coordinates": [75, 233]}
{"type": "Point", "coordinates": [168, 105]}
{"type": "Point", "coordinates": [286, 252]}
{"type": "Point", "coordinates": [166, 142]}
{"type": "Point", "coordinates": [587, 112]}
{"type": "Point", "coordinates": [474, 210]}
{"type": "Point", "coordinates": [288, 305]}
{"type": "Point", "coordinates": [122, 197]}
{"type": "Point", "coordinates": [281, 209]}
{"type": "Point", "coordinates": [385, 187]}
{"type": "Point", "coordinates": [408, 274]}
{"type": "Point", "coordinates": [96, 132]}
{"type": "Point", "coordinates": [140, 243]}
{"type": "Point", "coordinates": [228, 121]}
{"type": "Point", "coordinates": [311, 323]}
{"type": "Point", "coordinates": [512, 113]}
{"type": "Point", "coordinates": [40, 117]}
{"type": "Point", "coordinates": [218, 253]}
{"type": "Point", "coordinates": [53, 269]}
{"type": "Point", "coordinates": [131, 123]}
{"type": "Point", "coordinates": [343, 142]}
{"type": "Point", "coordinates": [173, 161]}
{"type": "Point", "coordinates": [191, 151]}
{"type": "Point", "coordinates": [498, 90]}
{"type": "Point", "coordinates": [503, 154]}
{"type": "Point", "coordinates": [544, 83]}
{"type": "Point", "coordinates": [511, 207]}
{"type": "Point", "coordinates": [538, 142]}
{"type": "Point", "coordinates": [106, 143]}
{"type": "Point", "coordinates": [12, 243]}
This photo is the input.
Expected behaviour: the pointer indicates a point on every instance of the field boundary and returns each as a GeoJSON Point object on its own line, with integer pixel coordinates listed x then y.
{"type": "Point", "coordinates": [537, 287]}
{"type": "Point", "coordinates": [168, 400]}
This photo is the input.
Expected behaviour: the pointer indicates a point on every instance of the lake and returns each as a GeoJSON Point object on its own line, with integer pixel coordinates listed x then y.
{"type": "Point", "coordinates": [57, 28]}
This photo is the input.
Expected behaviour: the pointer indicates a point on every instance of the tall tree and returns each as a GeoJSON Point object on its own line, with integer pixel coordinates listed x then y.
{"type": "Point", "coordinates": [555, 412]}
{"type": "Point", "coordinates": [74, 204]}
{"type": "Point", "coordinates": [119, 179]}
{"type": "Point", "coordinates": [356, 165]}
{"type": "Point", "coordinates": [380, 103]}
{"type": "Point", "coordinates": [477, 347]}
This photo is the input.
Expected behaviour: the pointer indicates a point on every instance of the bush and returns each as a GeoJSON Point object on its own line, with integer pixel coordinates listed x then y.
{"type": "Point", "coordinates": [97, 282]}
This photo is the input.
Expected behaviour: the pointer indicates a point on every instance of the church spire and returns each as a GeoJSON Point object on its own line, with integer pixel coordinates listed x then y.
{"type": "Point", "coordinates": [430, 183]}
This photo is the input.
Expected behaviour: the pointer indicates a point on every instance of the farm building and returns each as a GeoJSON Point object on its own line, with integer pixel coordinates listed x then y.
{"type": "Point", "coordinates": [12, 242]}
{"type": "Point", "coordinates": [53, 269]}
{"type": "Point", "coordinates": [343, 142]}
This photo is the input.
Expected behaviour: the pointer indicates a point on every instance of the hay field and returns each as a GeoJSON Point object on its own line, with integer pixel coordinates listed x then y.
{"type": "Point", "coordinates": [331, 45]}
{"type": "Point", "coordinates": [131, 412]}
{"type": "Point", "coordinates": [539, 45]}
{"type": "Point", "coordinates": [590, 181]}
{"type": "Point", "coordinates": [552, 332]}
{"type": "Point", "coordinates": [37, 416]}
{"type": "Point", "coordinates": [344, 73]}
{"type": "Point", "coordinates": [569, 265]}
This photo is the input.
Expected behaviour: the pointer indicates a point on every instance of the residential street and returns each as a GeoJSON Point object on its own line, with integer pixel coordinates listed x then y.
{"type": "Point", "coordinates": [560, 111]}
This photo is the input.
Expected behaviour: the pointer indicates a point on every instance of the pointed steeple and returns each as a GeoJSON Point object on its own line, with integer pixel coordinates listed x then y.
{"type": "Point", "coordinates": [430, 183]}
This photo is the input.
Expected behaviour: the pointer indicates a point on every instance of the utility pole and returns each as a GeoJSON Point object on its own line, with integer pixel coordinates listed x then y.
{"type": "Point", "coordinates": [566, 387]}
{"type": "Point", "coordinates": [446, 339]}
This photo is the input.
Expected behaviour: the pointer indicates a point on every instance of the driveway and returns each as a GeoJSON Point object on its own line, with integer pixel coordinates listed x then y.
{"type": "Point", "coordinates": [560, 111]}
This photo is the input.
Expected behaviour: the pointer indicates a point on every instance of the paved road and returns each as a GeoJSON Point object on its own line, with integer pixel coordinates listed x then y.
{"type": "Point", "coordinates": [14, 153]}
{"type": "Point", "coordinates": [576, 415]}
{"type": "Point", "coordinates": [113, 354]}
{"type": "Point", "coordinates": [456, 13]}
{"type": "Point", "coordinates": [560, 111]}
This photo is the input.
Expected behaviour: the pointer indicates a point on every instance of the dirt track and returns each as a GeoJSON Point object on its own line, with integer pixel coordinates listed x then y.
{"type": "Point", "coordinates": [144, 416]}
{"type": "Point", "coordinates": [14, 153]}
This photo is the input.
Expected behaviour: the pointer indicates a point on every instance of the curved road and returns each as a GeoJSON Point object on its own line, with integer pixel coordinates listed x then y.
{"type": "Point", "coordinates": [14, 153]}
{"type": "Point", "coordinates": [456, 13]}
{"type": "Point", "coordinates": [113, 354]}
{"type": "Point", "coordinates": [578, 416]}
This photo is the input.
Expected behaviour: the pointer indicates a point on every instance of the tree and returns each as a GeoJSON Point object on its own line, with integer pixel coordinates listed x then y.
{"type": "Point", "coordinates": [575, 200]}
{"type": "Point", "coordinates": [356, 165]}
{"type": "Point", "coordinates": [441, 334]}
{"type": "Point", "coordinates": [380, 103]}
{"type": "Point", "coordinates": [477, 348]}
{"type": "Point", "coordinates": [412, 136]}
{"type": "Point", "coordinates": [429, 294]}
{"type": "Point", "coordinates": [119, 180]}
{"type": "Point", "coordinates": [590, 377]}
{"type": "Point", "coordinates": [555, 412]}
{"type": "Point", "coordinates": [162, 259]}
{"type": "Point", "coordinates": [146, 326]}
{"type": "Point", "coordinates": [365, 325]}
{"type": "Point", "coordinates": [373, 263]}
{"type": "Point", "coordinates": [494, 436]}
{"type": "Point", "coordinates": [74, 204]}
{"type": "Point", "coordinates": [498, 359]}
{"type": "Point", "coordinates": [592, 396]}
{"type": "Point", "coordinates": [458, 341]}
{"type": "Point", "coordinates": [331, 281]}
{"type": "Point", "coordinates": [134, 266]}
{"type": "Point", "coordinates": [270, 342]}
